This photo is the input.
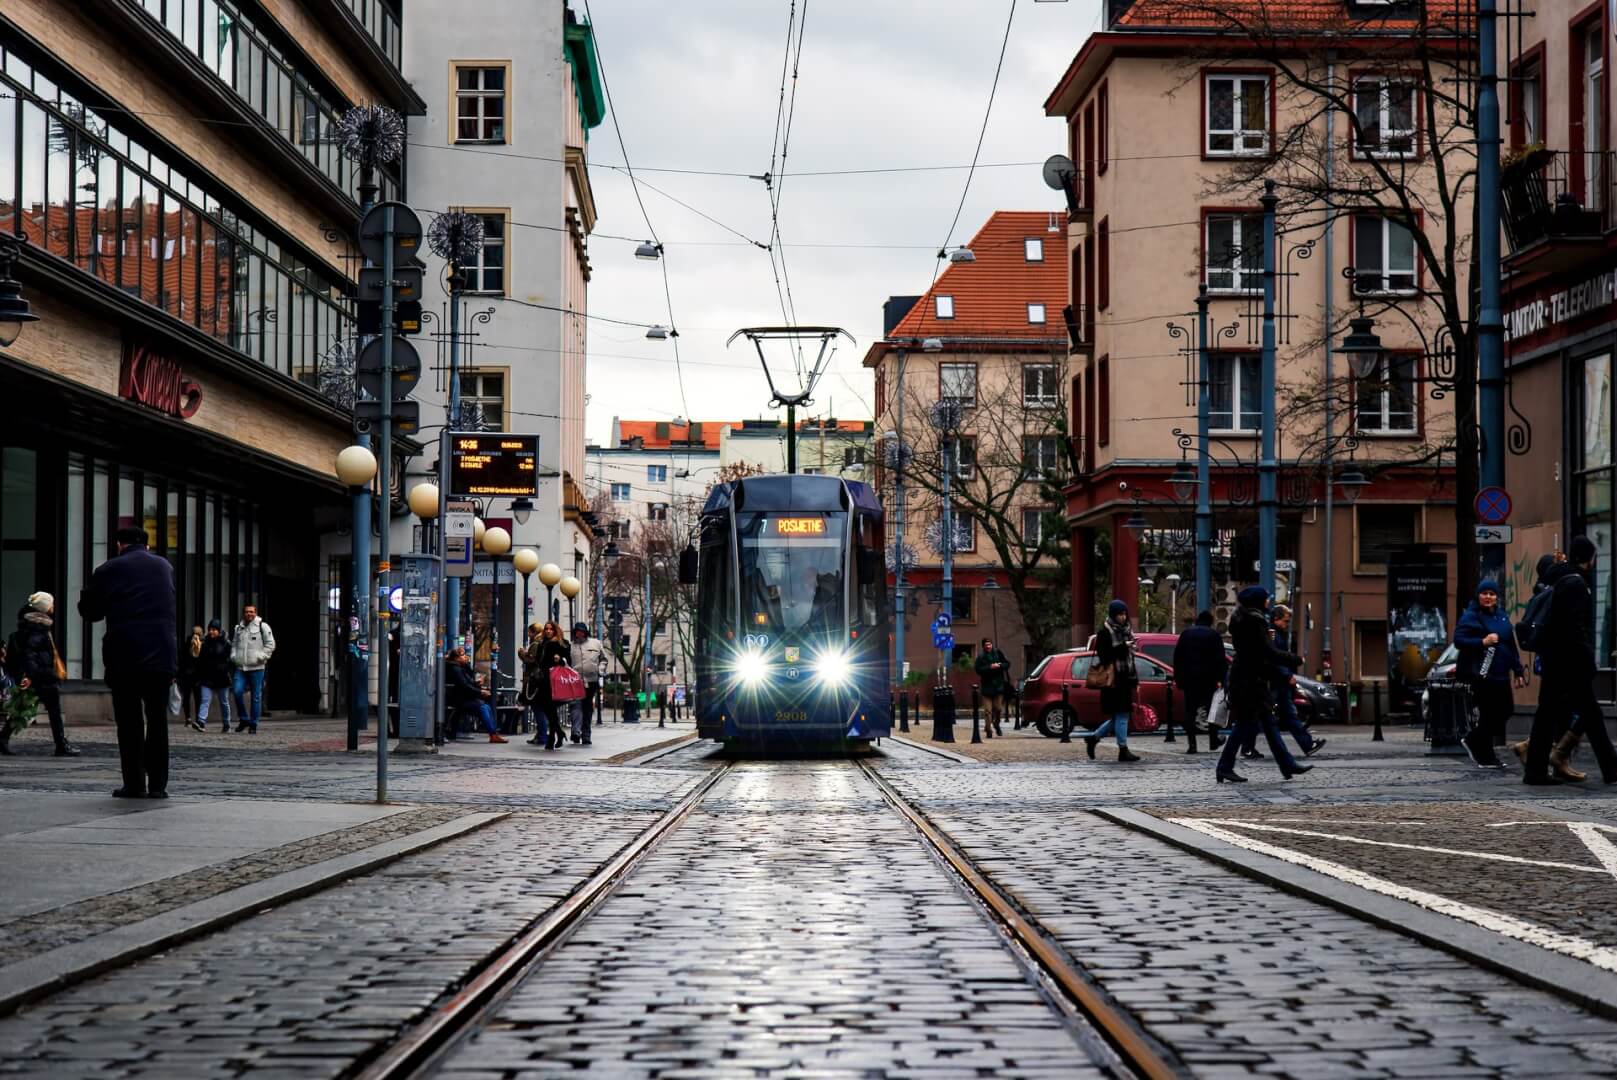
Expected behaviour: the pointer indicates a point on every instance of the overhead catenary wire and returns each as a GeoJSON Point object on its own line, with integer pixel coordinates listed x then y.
{"type": "Point", "coordinates": [982, 132]}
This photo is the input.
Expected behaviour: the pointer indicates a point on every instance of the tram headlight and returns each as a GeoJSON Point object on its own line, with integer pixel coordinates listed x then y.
{"type": "Point", "coordinates": [834, 667]}
{"type": "Point", "coordinates": [751, 667]}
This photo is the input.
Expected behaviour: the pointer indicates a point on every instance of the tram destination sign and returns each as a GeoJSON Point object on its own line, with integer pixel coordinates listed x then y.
{"type": "Point", "coordinates": [493, 463]}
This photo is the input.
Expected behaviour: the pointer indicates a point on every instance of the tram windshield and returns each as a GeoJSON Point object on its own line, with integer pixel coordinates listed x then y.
{"type": "Point", "coordinates": [791, 574]}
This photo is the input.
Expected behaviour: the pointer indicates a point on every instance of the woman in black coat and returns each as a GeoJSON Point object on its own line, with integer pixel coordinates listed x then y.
{"type": "Point", "coordinates": [1114, 649]}
{"type": "Point", "coordinates": [1251, 684]}
{"type": "Point", "coordinates": [543, 653]}
{"type": "Point", "coordinates": [32, 659]}
{"type": "Point", "coordinates": [213, 677]}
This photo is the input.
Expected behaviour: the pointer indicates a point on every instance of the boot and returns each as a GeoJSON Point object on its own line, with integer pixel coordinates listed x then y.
{"type": "Point", "coordinates": [1561, 758]}
{"type": "Point", "coordinates": [1520, 750]}
{"type": "Point", "coordinates": [1125, 754]}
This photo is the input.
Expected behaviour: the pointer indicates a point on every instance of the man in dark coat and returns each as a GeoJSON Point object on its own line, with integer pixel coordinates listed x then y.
{"type": "Point", "coordinates": [1567, 655]}
{"type": "Point", "coordinates": [1199, 668]}
{"type": "Point", "coordinates": [1251, 685]}
{"type": "Point", "coordinates": [134, 592]}
{"type": "Point", "coordinates": [993, 673]}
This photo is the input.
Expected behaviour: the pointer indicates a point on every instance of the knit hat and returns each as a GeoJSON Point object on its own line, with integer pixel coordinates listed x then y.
{"type": "Point", "coordinates": [42, 601]}
{"type": "Point", "coordinates": [213, 624]}
{"type": "Point", "coordinates": [579, 627]}
{"type": "Point", "coordinates": [1581, 550]}
{"type": "Point", "coordinates": [1488, 585]}
{"type": "Point", "coordinates": [1117, 607]}
{"type": "Point", "coordinates": [1253, 596]}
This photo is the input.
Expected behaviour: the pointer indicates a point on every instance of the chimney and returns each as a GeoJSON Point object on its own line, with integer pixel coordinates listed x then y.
{"type": "Point", "coordinates": [894, 310]}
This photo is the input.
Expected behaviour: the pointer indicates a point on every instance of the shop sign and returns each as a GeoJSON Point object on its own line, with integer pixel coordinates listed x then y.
{"type": "Point", "coordinates": [1556, 308]}
{"type": "Point", "coordinates": [149, 378]}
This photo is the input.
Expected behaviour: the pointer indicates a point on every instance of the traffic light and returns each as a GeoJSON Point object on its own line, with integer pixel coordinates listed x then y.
{"type": "Point", "coordinates": [388, 368]}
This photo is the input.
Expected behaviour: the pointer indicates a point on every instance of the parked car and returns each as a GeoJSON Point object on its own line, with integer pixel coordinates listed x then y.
{"type": "Point", "coordinates": [1041, 691]}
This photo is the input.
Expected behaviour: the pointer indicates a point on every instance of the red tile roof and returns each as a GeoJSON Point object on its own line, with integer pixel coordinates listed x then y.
{"type": "Point", "coordinates": [991, 295]}
{"type": "Point", "coordinates": [648, 431]}
{"type": "Point", "coordinates": [1262, 18]}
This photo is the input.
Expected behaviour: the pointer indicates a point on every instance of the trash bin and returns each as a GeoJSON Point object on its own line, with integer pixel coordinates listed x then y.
{"type": "Point", "coordinates": [1449, 716]}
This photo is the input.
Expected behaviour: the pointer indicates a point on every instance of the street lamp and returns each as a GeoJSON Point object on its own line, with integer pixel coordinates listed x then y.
{"type": "Point", "coordinates": [570, 588]}
{"type": "Point", "coordinates": [1172, 581]}
{"type": "Point", "coordinates": [657, 333]}
{"type": "Point", "coordinates": [649, 251]}
{"type": "Point", "coordinates": [526, 562]}
{"type": "Point", "coordinates": [1352, 482]}
{"type": "Point", "coordinates": [356, 466]}
{"type": "Point", "coordinates": [961, 254]}
{"type": "Point", "coordinates": [521, 510]}
{"type": "Point", "coordinates": [13, 305]}
{"type": "Point", "coordinates": [1184, 481]}
{"type": "Point", "coordinates": [1362, 346]}
{"type": "Point", "coordinates": [549, 575]}
{"type": "Point", "coordinates": [423, 500]}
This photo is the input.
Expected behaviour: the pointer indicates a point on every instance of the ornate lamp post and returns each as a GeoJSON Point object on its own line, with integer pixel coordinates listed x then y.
{"type": "Point", "coordinates": [356, 466]}
{"type": "Point", "coordinates": [14, 312]}
{"type": "Point", "coordinates": [496, 542]}
{"type": "Point", "coordinates": [550, 577]}
{"type": "Point", "coordinates": [570, 588]}
{"type": "Point", "coordinates": [526, 562]}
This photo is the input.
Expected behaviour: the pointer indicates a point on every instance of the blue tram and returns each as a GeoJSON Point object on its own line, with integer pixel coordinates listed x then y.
{"type": "Point", "coordinates": [791, 613]}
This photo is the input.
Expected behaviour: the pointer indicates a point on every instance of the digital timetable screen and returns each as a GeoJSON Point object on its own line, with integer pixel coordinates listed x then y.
{"type": "Point", "coordinates": [493, 463]}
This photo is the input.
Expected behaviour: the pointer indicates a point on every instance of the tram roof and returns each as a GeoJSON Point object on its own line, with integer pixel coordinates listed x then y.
{"type": "Point", "coordinates": [788, 492]}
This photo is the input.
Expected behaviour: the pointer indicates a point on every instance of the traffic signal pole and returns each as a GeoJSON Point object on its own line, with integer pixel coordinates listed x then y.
{"type": "Point", "coordinates": [384, 542]}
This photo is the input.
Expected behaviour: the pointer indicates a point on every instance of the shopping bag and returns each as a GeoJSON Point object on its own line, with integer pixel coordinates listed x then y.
{"type": "Point", "coordinates": [1219, 715]}
{"type": "Point", "coordinates": [1143, 720]}
{"type": "Point", "coordinates": [566, 684]}
{"type": "Point", "coordinates": [176, 703]}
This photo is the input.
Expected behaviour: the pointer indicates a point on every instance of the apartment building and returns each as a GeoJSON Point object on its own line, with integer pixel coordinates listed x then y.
{"type": "Point", "coordinates": [1176, 114]}
{"type": "Point", "coordinates": [988, 338]}
{"type": "Point", "coordinates": [1560, 297]}
{"type": "Point", "coordinates": [171, 170]}
{"type": "Point", "coordinates": [825, 446]}
{"type": "Point", "coordinates": [516, 80]}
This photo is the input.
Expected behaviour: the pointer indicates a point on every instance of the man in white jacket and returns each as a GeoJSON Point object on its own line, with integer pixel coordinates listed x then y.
{"type": "Point", "coordinates": [252, 644]}
{"type": "Point", "coordinates": [589, 657]}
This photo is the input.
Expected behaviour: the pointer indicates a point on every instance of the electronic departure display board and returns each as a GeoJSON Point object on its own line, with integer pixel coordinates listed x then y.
{"type": "Point", "coordinates": [493, 463]}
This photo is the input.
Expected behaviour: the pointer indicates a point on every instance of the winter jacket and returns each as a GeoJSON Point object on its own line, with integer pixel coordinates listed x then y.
{"type": "Point", "coordinates": [1114, 645]}
{"type": "Point", "coordinates": [540, 657]}
{"type": "Point", "coordinates": [589, 657]}
{"type": "Point", "coordinates": [134, 592]}
{"type": "Point", "coordinates": [460, 686]}
{"type": "Point", "coordinates": [994, 672]}
{"type": "Point", "coordinates": [1476, 624]}
{"type": "Point", "coordinates": [251, 645]}
{"type": "Point", "coordinates": [1199, 663]}
{"type": "Point", "coordinates": [1281, 640]}
{"type": "Point", "coordinates": [31, 653]}
{"type": "Point", "coordinates": [1569, 646]}
{"type": "Point", "coordinates": [213, 666]}
{"type": "Point", "coordinates": [1257, 662]}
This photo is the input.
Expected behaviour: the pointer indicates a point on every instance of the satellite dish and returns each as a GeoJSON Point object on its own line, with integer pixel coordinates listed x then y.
{"type": "Point", "coordinates": [1059, 171]}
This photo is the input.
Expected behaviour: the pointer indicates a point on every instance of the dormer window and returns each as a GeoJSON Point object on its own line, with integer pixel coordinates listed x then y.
{"type": "Point", "coordinates": [1033, 249]}
{"type": "Point", "coordinates": [1035, 313]}
{"type": "Point", "coordinates": [943, 307]}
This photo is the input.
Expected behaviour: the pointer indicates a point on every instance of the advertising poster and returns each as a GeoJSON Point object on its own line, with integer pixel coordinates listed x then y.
{"type": "Point", "coordinates": [1417, 623]}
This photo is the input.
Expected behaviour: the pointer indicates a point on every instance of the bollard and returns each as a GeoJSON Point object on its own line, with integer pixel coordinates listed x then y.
{"type": "Point", "coordinates": [662, 709]}
{"type": "Point", "coordinates": [903, 712]}
{"type": "Point", "coordinates": [976, 702]}
{"type": "Point", "coordinates": [1066, 713]}
{"type": "Point", "coordinates": [1169, 710]}
{"type": "Point", "coordinates": [943, 713]}
{"type": "Point", "coordinates": [915, 706]}
{"type": "Point", "coordinates": [1376, 736]}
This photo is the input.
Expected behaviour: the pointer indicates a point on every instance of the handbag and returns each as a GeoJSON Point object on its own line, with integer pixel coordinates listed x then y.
{"type": "Point", "coordinates": [1100, 676]}
{"type": "Point", "coordinates": [566, 684]}
{"type": "Point", "coordinates": [176, 703]}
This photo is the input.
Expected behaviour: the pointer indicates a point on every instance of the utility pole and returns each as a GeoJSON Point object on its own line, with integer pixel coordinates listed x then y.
{"type": "Point", "coordinates": [1267, 466]}
{"type": "Point", "coordinates": [1490, 324]}
{"type": "Point", "coordinates": [384, 544]}
{"type": "Point", "coordinates": [1204, 486]}
{"type": "Point", "coordinates": [899, 465]}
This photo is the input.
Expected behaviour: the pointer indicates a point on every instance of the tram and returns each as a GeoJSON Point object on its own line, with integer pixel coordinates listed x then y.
{"type": "Point", "coordinates": [791, 613]}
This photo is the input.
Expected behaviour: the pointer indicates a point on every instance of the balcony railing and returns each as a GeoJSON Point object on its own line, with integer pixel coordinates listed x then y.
{"type": "Point", "coordinates": [1556, 195]}
{"type": "Point", "coordinates": [1080, 327]}
{"type": "Point", "coordinates": [383, 27]}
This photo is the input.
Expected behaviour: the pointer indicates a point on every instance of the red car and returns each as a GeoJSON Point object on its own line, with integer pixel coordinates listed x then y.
{"type": "Point", "coordinates": [1041, 693]}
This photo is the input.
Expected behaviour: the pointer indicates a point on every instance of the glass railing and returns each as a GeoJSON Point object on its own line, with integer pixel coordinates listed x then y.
{"type": "Point", "coordinates": [229, 46]}
{"type": "Point", "coordinates": [383, 27]}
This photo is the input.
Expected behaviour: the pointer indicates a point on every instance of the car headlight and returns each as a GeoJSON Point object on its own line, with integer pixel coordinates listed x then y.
{"type": "Point", "coordinates": [752, 667]}
{"type": "Point", "coordinates": [833, 667]}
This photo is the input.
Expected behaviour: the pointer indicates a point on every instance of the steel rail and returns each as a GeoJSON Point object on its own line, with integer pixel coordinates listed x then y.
{"type": "Point", "coordinates": [427, 1040]}
{"type": "Point", "coordinates": [1138, 1051]}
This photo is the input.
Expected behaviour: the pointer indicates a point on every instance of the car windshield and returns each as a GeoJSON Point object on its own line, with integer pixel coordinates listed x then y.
{"type": "Point", "coordinates": [791, 574]}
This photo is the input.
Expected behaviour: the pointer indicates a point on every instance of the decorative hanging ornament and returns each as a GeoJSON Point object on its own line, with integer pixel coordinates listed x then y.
{"type": "Point", "coordinates": [371, 135]}
{"type": "Point", "coordinates": [456, 237]}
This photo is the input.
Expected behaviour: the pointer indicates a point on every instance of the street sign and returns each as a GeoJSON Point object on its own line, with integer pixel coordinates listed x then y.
{"type": "Point", "coordinates": [483, 574]}
{"type": "Point", "coordinates": [495, 463]}
{"type": "Point", "coordinates": [406, 233]}
{"type": "Point", "coordinates": [1493, 506]}
{"type": "Point", "coordinates": [1283, 566]}
{"type": "Point", "coordinates": [458, 556]}
{"type": "Point", "coordinates": [405, 360]}
{"type": "Point", "coordinates": [459, 523]}
{"type": "Point", "coordinates": [942, 641]}
{"type": "Point", "coordinates": [1495, 534]}
{"type": "Point", "coordinates": [942, 624]}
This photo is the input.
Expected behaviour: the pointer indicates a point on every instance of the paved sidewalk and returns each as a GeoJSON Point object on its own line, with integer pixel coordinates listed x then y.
{"type": "Point", "coordinates": [1027, 745]}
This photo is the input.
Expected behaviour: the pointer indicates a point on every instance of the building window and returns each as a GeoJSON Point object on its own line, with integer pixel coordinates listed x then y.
{"type": "Point", "coordinates": [482, 397]}
{"type": "Point", "coordinates": [1233, 379]}
{"type": "Point", "coordinates": [961, 453]}
{"type": "Point", "coordinates": [1033, 249]}
{"type": "Point", "coordinates": [1381, 530]}
{"type": "Point", "coordinates": [1103, 245]}
{"type": "Point", "coordinates": [943, 306]}
{"type": "Point", "coordinates": [1594, 113]}
{"type": "Point", "coordinates": [1383, 256]}
{"type": "Point", "coordinates": [1384, 111]}
{"type": "Point", "coordinates": [1102, 123]}
{"type": "Point", "coordinates": [619, 529]}
{"type": "Point", "coordinates": [656, 474]}
{"type": "Point", "coordinates": [1592, 492]}
{"type": "Point", "coordinates": [1041, 456]}
{"type": "Point", "coordinates": [481, 94]}
{"type": "Point", "coordinates": [853, 456]}
{"type": "Point", "coordinates": [1237, 115]}
{"type": "Point", "coordinates": [1103, 400]}
{"type": "Point", "coordinates": [657, 511]}
{"type": "Point", "coordinates": [1033, 526]}
{"type": "Point", "coordinates": [958, 382]}
{"type": "Point", "coordinates": [965, 529]}
{"type": "Point", "coordinates": [659, 662]}
{"type": "Point", "coordinates": [1233, 253]}
{"type": "Point", "coordinates": [1385, 402]}
{"type": "Point", "coordinates": [620, 492]}
{"type": "Point", "coordinates": [1039, 386]}
{"type": "Point", "coordinates": [486, 273]}
{"type": "Point", "coordinates": [1035, 313]}
{"type": "Point", "coordinates": [1527, 105]}
{"type": "Point", "coordinates": [964, 610]}
{"type": "Point", "coordinates": [659, 627]}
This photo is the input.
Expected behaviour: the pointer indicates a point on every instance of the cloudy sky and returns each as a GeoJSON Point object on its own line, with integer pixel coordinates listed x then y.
{"type": "Point", "coordinates": [881, 84]}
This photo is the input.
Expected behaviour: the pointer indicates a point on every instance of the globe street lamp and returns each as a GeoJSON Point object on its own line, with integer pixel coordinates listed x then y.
{"type": "Point", "coordinates": [1172, 581]}
{"type": "Point", "coordinates": [526, 562]}
{"type": "Point", "coordinates": [356, 466]}
{"type": "Point", "coordinates": [549, 576]}
{"type": "Point", "coordinates": [496, 542]}
{"type": "Point", "coordinates": [570, 588]}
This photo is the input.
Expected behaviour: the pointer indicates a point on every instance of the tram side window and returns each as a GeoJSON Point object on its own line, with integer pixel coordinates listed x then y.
{"type": "Point", "coordinates": [713, 596]}
{"type": "Point", "coordinates": [872, 611]}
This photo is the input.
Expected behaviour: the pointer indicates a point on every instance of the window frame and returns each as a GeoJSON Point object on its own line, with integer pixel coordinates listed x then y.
{"type": "Point", "coordinates": [1239, 274]}
{"type": "Point", "coordinates": [1529, 67]}
{"type": "Point", "coordinates": [479, 94]}
{"type": "Point", "coordinates": [1103, 260]}
{"type": "Point", "coordinates": [1241, 358]}
{"type": "Point", "coordinates": [1047, 373]}
{"type": "Point", "coordinates": [1038, 309]}
{"type": "Point", "coordinates": [1040, 470]}
{"type": "Point", "coordinates": [958, 365]}
{"type": "Point", "coordinates": [1417, 275]}
{"type": "Point", "coordinates": [1237, 75]}
{"type": "Point", "coordinates": [956, 516]}
{"type": "Point", "coordinates": [475, 272]}
{"type": "Point", "coordinates": [476, 374]}
{"type": "Point", "coordinates": [1361, 567]}
{"type": "Point", "coordinates": [938, 302]}
{"type": "Point", "coordinates": [1031, 244]}
{"type": "Point", "coordinates": [621, 492]}
{"type": "Point", "coordinates": [1417, 408]}
{"type": "Point", "coordinates": [964, 466]}
{"type": "Point", "coordinates": [656, 474]}
{"type": "Point", "coordinates": [1102, 127]}
{"type": "Point", "coordinates": [1356, 152]}
{"type": "Point", "coordinates": [969, 595]}
{"type": "Point", "coordinates": [1103, 401]}
{"type": "Point", "coordinates": [1038, 513]}
{"type": "Point", "coordinates": [656, 510]}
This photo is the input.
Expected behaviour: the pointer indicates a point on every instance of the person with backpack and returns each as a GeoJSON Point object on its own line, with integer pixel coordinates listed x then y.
{"type": "Point", "coordinates": [1491, 665]}
{"type": "Point", "coordinates": [1559, 625]}
{"type": "Point", "coordinates": [1567, 744]}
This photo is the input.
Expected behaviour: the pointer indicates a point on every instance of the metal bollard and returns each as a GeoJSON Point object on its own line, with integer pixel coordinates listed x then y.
{"type": "Point", "coordinates": [1066, 712]}
{"type": "Point", "coordinates": [662, 709]}
{"type": "Point", "coordinates": [943, 713]}
{"type": "Point", "coordinates": [1377, 736]}
{"type": "Point", "coordinates": [1169, 710]}
{"type": "Point", "coordinates": [976, 704]}
{"type": "Point", "coordinates": [903, 712]}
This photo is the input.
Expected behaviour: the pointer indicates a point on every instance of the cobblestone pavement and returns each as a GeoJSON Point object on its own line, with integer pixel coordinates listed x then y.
{"type": "Point", "coordinates": [302, 990]}
{"type": "Point", "coordinates": [790, 926]}
{"type": "Point", "coordinates": [1239, 977]}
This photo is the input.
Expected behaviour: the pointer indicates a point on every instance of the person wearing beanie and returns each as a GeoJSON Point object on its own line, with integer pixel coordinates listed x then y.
{"type": "Point", "coordinates": [1251, 684]}
{"type": "Point", "coordinates": [1567, 655]}
{"type": "Point", "coordinates": [1114, 649]}
{"type": "Point", "coordinates": [1199, 669]}
{"type": "Point", "coordinates": [588, 655]}
{"type": "Point", "coordinates": [214, 676]}
{"type": "Point", "coordinates": [1491, 665]}
{"type": "Point", "coordinates": [32, 659]}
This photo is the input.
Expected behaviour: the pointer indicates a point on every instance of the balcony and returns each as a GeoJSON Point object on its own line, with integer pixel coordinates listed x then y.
{"type": "Point", "coordinates": [1556, 206]}
{"type": "Point", "coordinates": [1080, 328]}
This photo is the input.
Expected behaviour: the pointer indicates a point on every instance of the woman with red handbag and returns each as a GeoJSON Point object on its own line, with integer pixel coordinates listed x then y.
{"type": "Point", "coordinates": [1113, 672]}
{"type": "Point", "coordinates": [541, 655]}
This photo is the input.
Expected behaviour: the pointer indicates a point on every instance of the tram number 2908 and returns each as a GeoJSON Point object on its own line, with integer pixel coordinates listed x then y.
{"type": "Point", "coordinates": [790, 716]}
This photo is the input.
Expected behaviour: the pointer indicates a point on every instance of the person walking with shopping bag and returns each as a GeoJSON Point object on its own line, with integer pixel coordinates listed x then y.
{"type": "Point", "coordinates": [32, 659]}
{"type": "Point", "coordinates": [1199, 668]}
{"type": "Point", "coordinates": [548, 651]}
{"type": "Point", "coordinates": [1113, 673]}
{"type": "Point", "coordinates": [1490, 664]}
